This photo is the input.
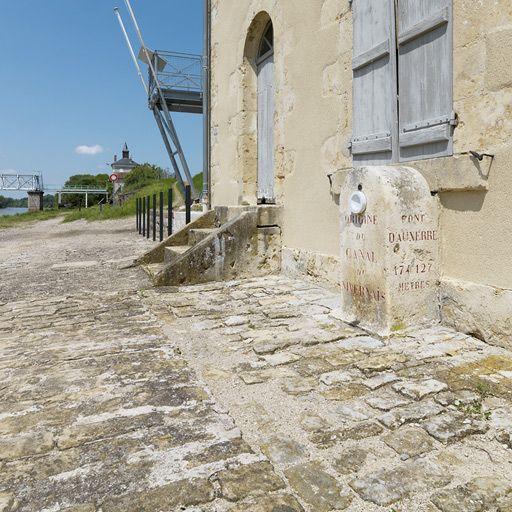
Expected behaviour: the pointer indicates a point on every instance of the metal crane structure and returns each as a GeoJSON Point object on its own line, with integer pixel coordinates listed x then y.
{"type": "Point", "coordinates": [176, 83]}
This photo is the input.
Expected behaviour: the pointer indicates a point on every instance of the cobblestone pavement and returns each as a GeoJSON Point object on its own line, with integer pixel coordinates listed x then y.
{"type": "Point", "coordinates": [419, 422]}
{"type": "Point", "coordinates": [240, 396]}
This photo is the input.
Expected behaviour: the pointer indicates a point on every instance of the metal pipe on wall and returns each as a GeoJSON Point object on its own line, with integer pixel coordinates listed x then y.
{"type": "Point", "coordinates": [206, 102]}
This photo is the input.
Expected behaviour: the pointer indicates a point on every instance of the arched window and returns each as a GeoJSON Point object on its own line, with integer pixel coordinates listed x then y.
{"type": "Point", "coordinates": [267, 43]}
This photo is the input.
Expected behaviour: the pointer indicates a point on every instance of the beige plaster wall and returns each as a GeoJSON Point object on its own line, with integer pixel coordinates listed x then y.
{"type": "Point", "coordinates": [313, 51]}
{"type": "Point", "coordinates": [310, 108]}
{"type": "Point", "coordinates": [476, 226]}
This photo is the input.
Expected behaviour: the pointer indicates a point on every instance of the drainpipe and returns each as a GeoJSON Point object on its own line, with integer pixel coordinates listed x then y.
{"type": "Point", "coordinates": [206, 104]}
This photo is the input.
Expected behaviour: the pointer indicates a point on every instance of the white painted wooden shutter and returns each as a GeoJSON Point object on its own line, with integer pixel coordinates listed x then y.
{"type": "Point", "coordinates": [266, 110]}
{"type": "Point", "coordinates": [374, 82]}
{"type": "Point", "coordinates": [425, 78]}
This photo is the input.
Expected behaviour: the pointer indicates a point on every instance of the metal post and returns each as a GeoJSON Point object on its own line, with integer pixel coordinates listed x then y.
{"type": "Point", "coordinates": [188, 201]}
{"type": "Point", "coordinates": [154, 217]}
{"type": "Point", "coordinates": [206, 103]}
{"type": "Point", "coordinates": [86, 200]}
{"type": "Point", "coordinates": [161, 216]}
{"type": "Point", "coordinates": [140, 215]}
{"type": "Point", "coordinates": [170, 152]}
{"type": "Point", "coordinates": [148, 214]}
{"type": "Point", "coordinates": [143, 216]}
{"type": "Point", "coordinates": [132, 53]}
{"type": "Point", "coordinates": [169, 212]}
{"type": "Point", "coordinates": [137, 214]}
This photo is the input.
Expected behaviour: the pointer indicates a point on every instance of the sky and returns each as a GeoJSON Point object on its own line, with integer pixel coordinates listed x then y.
{"type": "Point", "coordinates": [69, 93]}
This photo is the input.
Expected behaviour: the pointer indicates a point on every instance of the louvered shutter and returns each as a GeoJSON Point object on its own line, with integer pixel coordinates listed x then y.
{"type": "Point", "coordinates": [374, 82]}
{"type": "Point", "coordinates": [425, 78]}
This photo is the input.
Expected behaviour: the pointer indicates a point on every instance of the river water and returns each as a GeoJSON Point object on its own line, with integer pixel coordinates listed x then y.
{"type": "Point", "coordinates": [11, 211]}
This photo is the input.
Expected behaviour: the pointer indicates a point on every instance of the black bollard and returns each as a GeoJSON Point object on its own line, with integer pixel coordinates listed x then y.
{"type": "Point", "coordinates": [161, 216]}
{"type": "Point", "coordinates": [136, 214]}
{"type": "Point", "coordinates": [148, 215]}
{"type": "Point", "coordinates": [188, 202]}
{"type": "Point", "coordinates": [139, 202]}
{"type": "Point", "coordinates": [143, 216]}
{"type": "Point", "coordinates": [169, 212]}
{"type": "Point", "coordinates": [154, 217]}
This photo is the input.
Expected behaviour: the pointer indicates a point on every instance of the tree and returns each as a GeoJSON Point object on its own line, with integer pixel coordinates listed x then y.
{"type": "Point", "coordinates": [11, 202]}
{"type": "Point", "coordinates": [143, 175]}
{"type": "Point", "coordinates": [86, 181]}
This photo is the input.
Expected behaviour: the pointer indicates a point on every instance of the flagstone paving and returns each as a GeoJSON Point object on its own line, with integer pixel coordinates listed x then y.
{"type": "Point", "coordinates": [419, 422]}
{"type": "Point", "coordinates": [227, 397]}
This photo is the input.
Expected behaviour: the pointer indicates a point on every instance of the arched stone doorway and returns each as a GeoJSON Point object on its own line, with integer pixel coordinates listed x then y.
{"type": "Point", "coordinates": [266, 109]}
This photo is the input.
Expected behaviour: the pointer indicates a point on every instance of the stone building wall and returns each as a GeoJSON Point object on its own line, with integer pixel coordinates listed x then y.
{"type": "Point", "coordinates": [313, 53]}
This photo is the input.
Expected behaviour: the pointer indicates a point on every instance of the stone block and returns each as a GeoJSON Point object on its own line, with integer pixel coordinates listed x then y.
{"type": "Point", "coordinates": [420, 389]}
{"type": "Point", "coordinates": [6, 500]}
{"type": "Point", "coordinates": [410, 413]}
{"type": "Point", "coordinates": [499, 56]}
{"type": "Point", "coordinates": [409, 441]}
{"type": "Point", "coordinates": [270, 215]}
{"type": "Point", "coordinates": [283, 451]}
{"type": "Point", "coordinates": [317, 488]}
{"type": "Point", "coordinates": [285, 503]}
{"type": "Point", "coordinates": [453, 426]}
{"type": "Point", "coordinates": [35, 200]}
{"type": "Point", "coordinates": [389, 249]}
{"type": "Point", "coordinates": [26, 445]}
{"type": "Point", "coordinates": [480, 310]}
{"type": "Point", "coordinates": [240, 482]}
{"type": "Point", "coordinates": [478, 495]}
{"type": "Point", "coordinates": [387, 486]}
{"type": "Point", "coordinates": [350, 460]}
{"type": "Point", "coordinates": [182, 493]}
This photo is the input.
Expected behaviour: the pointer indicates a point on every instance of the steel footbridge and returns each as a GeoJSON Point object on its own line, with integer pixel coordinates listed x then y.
{"type": "Point", "coordinates": [33, 183]}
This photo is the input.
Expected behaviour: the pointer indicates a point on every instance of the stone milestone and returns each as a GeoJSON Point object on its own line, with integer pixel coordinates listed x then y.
{"type": "Point", "coordinates": [389, 249]}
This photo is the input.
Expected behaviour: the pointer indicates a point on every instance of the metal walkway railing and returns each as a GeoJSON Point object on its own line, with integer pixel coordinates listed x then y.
{"type": "Point", "coordinates": [177, 71]}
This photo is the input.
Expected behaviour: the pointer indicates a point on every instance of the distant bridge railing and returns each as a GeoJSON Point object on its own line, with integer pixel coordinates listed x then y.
{"type": "Point", "coordinates": [27, 182]}
{"type": "Point", "coordinates": [75, 189]}
{"type": "Point", "coordinates": [34, 183]}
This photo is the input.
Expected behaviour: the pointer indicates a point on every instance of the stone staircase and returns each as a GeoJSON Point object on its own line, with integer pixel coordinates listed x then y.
{"type": "Point", "coordinates": [224, 243]}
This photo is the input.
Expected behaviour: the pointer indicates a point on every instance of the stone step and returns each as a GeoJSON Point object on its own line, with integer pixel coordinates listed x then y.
{"type": "Point", "coordinates": [174, 251]}
{"type": "Point", "coordinates": [196, 235]}
{"type": "Point", "coordinates": [152, 269]}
